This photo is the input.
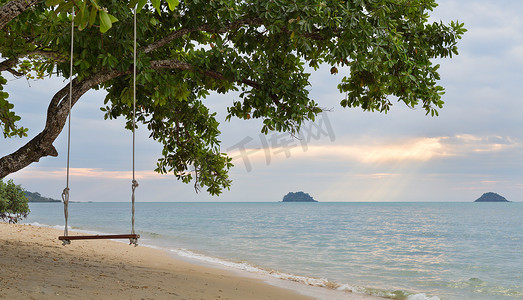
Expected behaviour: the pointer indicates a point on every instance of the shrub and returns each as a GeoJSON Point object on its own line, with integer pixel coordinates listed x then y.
{"type": "Point", "coordinates": [13, 202]}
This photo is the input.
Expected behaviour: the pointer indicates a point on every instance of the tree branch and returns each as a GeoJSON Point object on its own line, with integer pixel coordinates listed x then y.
{"type": "Point", "coordinates": [179, 65]}
{"type": "Point", "coordinates": [8, 64]}
{"type": "Point", "coordinates": [57, 112]}
{"type": "Point", "coordinates": [231, 26]}
{"type": "Point", "coordinates": [15, 73]}
{"type": "Point", "coordinates": [208, 28]}
{"type": "Point", "coordinates": [55, 56]}
{"type": "Point", "coordinates": [13, 8]}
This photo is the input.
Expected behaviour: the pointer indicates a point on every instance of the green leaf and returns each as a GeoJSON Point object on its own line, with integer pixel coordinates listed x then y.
{"type": "Point", "coordinates": [52, 2]}
{"type": "Point", "coordinates": [173, 4]}
{"type": "Point", "coordinates": [113, 18]}
{"type": "Point", "coordinates": [105, 21]}
{"type": "Point", "coordinates": [92, 17]}
{"type": "Point", "coordinates": [64, 7]}
{"type": "Point", "coordinates": [141, 4]}
{"type": "Point", "coordinates": [133, 3]}
{"type": "Point", "coordinates": [93, 2]}
{"type": "Point", "coordinates": [156, 5]}
{"type": "Point", "coordinates": [84, 18]}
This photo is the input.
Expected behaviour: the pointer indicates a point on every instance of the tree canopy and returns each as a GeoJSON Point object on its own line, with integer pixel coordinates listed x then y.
{"type": "Point", "coordinates": [383, 50]}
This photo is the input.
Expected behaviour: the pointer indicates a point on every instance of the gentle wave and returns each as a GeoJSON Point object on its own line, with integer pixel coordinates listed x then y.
{"type": "Point", "coordinates": [310, 281]}
{"type": "Point", "coordinates": [251, 268]}
{"type": "Point", "coordinates": [484, 287]}
{"type": "Point", "coordinates": [398, 295]}
{"type": "Point", "coordinates": [422, 296]}
{"type": "Point", "coordinates": [59, 227]}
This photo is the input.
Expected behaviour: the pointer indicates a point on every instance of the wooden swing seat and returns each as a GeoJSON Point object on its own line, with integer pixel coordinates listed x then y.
{"type": "Point", "coordinates": [99, 237]}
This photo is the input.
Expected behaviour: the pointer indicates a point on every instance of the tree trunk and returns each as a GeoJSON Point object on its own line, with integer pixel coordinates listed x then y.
{"type": "Point", "coordinates": [13, 8]}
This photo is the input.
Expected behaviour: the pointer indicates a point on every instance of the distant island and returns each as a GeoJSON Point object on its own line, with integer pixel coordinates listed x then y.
{"type": "Point", "coordinates": [298, 197]}
{"type": "Point", "coordinates": [36, 197]}
{"type": "Point", "coordinates": [491, 197]}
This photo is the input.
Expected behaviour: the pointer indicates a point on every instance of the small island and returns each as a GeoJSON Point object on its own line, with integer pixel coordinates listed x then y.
{"type": "Point", "coordinates": [491, 197]}
{"type": "Point", "coordinates": [298, 197]}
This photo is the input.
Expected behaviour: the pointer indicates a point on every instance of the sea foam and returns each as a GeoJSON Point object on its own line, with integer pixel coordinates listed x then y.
{"type": "Point", "coordinates": [422, 296]}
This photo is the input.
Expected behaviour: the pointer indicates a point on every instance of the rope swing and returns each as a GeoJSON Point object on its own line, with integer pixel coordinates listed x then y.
{"type": "Point", "coordinates": [134, 182]}
{"type": "Point", "coordinates": [133, 237]}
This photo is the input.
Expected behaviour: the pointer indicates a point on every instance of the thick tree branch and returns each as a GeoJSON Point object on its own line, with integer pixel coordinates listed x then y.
{"type": "Point", "coordinates": [208, 28]}
{"type": "Point", "coordinates": [15, 73]}
{"type": "Point", "coordinates": [42, 144]}
{"type": "Point", "coordinates": [171, 64]}
{"type": "Point", "coordinates": [230, 27]}
{"type": "Point", "coordinates": [8, 64]}
{"type": "Point", "coordinates": [179, 65]}
{"type": "Point", "coordinates": [55, 56]}
{"type": "Point", "coordinates": [13, 8]}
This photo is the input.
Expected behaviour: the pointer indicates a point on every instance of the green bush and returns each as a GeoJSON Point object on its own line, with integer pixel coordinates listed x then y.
{"type": "Point", "coordinates": [13, 202]}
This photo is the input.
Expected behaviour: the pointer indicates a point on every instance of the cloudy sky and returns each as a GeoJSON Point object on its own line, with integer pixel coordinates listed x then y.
{"type": "Point", "coordinates": [474, 146]}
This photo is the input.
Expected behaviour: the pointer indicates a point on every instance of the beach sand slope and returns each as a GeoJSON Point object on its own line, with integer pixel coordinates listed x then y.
{"type": "Point", "coordinates": [35, 265]}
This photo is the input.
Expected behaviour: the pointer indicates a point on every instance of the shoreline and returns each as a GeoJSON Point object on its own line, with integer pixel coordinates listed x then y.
{"type": "Point", "coordinates": [35, 265]}
{"type": "Point", "coordinates": [303, 285]}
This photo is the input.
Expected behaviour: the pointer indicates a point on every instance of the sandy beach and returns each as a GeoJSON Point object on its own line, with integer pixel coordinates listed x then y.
{"type": "Point", "coordinates": [35, 265]}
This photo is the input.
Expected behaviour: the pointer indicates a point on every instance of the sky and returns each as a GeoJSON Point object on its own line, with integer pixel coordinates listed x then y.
{"type": "Point", "coordinates": [474, 146]}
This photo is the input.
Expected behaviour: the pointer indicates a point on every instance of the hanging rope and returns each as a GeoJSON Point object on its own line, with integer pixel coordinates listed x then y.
{"type": "Point", "coordinates": [134, 182]}
{"type": "Point", "coordinates": [65, 193]}
{"type": "Point", "coordinates": [133, 237]}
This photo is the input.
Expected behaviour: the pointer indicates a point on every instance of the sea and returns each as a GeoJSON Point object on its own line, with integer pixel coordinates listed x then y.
{"type": "Point", "coordinates": [413, 251]}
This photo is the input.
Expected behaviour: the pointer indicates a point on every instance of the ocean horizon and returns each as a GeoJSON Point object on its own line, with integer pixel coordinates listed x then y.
{"type": "Point", "coordinates": [398, 250]}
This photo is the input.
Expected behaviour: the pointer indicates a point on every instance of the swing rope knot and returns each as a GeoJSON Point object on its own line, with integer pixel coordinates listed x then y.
{"type": "Point", "coordinates": [133, 241]}
{"type": "Point", "coordinates": [65, 195]}
{"type": "Point", "coordinates": [65, 198]}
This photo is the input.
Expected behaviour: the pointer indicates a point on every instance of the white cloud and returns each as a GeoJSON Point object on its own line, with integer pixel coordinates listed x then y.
{"type": "Point", "coordinates": [86, 173]}
{"type": "Point", "coordinates": [413, 150]}
{"type": "Point", "coordinates": [464, 144]}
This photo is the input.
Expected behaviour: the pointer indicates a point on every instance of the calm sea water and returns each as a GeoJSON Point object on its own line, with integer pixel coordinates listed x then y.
{"type": "Point", "coordinates": [398, 250]}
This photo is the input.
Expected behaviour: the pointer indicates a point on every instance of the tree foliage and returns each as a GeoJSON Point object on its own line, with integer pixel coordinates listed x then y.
{"type": "Point", "coordinates": [13, 202]}
{"type": "Point", "coordinates": [383, 50]}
